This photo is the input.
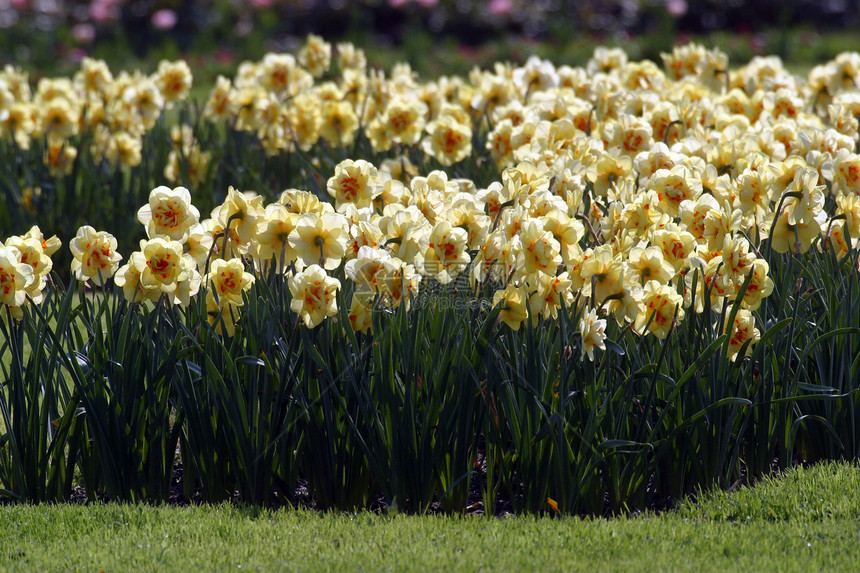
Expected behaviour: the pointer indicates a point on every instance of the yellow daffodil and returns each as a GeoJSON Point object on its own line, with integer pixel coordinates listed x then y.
{"type": "Point", "coordinates": [320, 239]}
{"type": "Point", "coordinates": [676, 246]}
{"type": "Point", "coordinates": [164, 264]}
{"type": "Point", "coordinates": [674, 186]}
{"type": "Point", "coordinates": [220, 106]}
{"type": "Point", "coordinates": [593, 333]}
{"type": "Point", "coordinates": [124, 149]}
{"type": "Point", "coordinates": [803, 209]}
{"type": "Point", "coordinates": [540, 251]}
{"type": "Point", "coordinates": [59, 117]}
{"type": "Point", "coordinates": [364, 271]}
{"type": "Point", "coordinates": [240, 213]}
{"type": "Point", "coordinates": [361, 313]}
{"type": "Point", "coordinates": [169, 213]}
{"type": "Point", "coordinates": [403, 122]}
{"type": "Point", "coordinates": [742, 330]}
{"type": "Point", "coordinates": [607, 170]}
{"type": "Point", "coordinates": [314, 295]}
{"type": "Point", "coordinates": [94, 77]}
{"type": "Point", "coordinates": [349, 57]}
{"type": "Point", "coordinates": [657, 310]}
{"type": "Point", "coordinates": [442, 252]}
{"type": "Point", "coordinates": [403, 229]}
{"type": "Point", "coordinates": [642, 215]}
{"type": "Point", "coordinates": [15, 279]}
{"type": "Point", "coordinates": [449, 140]}
{"type": "Point", "coordinates": [787, 237]}
{"type": "Point", "coordinates": [513, 305]}
{"type": "Point", "coordinates": [228, 280]}
{"type": "Point", "coordinates": [339, 123]}
{"type": "Point", "coordinates": [174, 80]}
{"type": "Point", "coordinates": [315, 55]}
{"type": "Point", "coordinates": [760, 286]}
{"type": "Point", "coordinates": [604, 271]}
{"type": "Point", "coordinates": [355, 182]}
{"type": "Point", "coordinates": [30, 252]}
{"type": "Point", "coordinates": [128, 279]}
{"type": "Point", "coordinates": [95, 256]}
{"type": "Point", "coordinates": [548, 294]}
{"type": "Point", "coordinates": [281, 75]}
{"type": "Point", "coordinates": [649, 264]}
{"type": "Point", "coordinates": [272, 242]}
{"type": "Point", "coordinates": [222, 316]}
{"type": "Point", "coordinates": [59, 156]}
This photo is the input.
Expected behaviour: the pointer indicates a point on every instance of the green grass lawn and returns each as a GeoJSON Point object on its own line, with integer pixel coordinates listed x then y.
{"type": "Point", "coordinates": [807, 520]}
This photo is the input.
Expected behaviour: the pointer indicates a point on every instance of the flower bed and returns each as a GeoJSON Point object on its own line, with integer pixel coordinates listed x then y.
{"type": "Point", "coordinates": [613, 283]}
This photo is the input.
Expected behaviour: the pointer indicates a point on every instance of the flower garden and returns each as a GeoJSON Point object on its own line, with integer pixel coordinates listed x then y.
{"type": "Point", "coordinates": [576, 290]}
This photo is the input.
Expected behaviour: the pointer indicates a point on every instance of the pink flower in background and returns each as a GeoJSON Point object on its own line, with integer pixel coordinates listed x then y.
{"type": "Point", "coordinates": [500, 7]}
{"type": "Point", "coordinates": [261, 3]}
{"type": "Point", "coordinates": [428, 3]}
{"type": "Point", "coordinates": [244, 27]}
{"type": "Point", "coordinates": [398, 3]}
{"type": "Point", "coordinates": [84, 33]}
{"type": "Point", "coordinates": [104, 10]}
{"type": "Point", "coordinates": [676, 8]}
{"type": "Point", "coordinates": [19, 4]}
{"type": "Point", "coordinates": [164, 19]}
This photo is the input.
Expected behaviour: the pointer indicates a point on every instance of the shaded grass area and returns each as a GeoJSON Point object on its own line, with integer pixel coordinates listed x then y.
{"type": "Point", "coordinates": [809, 519]}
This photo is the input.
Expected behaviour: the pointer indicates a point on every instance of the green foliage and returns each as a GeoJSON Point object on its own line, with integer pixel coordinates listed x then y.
{"type": "Point", "coordinates": [405, 414]}
{"type": "Point", "coordinates": [39, 414]}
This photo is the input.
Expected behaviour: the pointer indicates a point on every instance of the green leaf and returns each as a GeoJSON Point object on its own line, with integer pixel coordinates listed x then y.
{"type": "Point", "coordinates": [617, 443]}
{"type": "Point", "coordinates": [815, 388]}
{"type": "Point", "coordinates": [251, 361]}
{"type": "Point", "coordinates": [614, 347]}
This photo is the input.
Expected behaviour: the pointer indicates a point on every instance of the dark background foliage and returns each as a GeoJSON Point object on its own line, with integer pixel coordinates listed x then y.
{"type": "Point", "coordinates": [51, 36]}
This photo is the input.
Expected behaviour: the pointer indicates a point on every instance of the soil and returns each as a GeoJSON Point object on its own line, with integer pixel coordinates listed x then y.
{"type": "Point", "coordinates": [301, 497]}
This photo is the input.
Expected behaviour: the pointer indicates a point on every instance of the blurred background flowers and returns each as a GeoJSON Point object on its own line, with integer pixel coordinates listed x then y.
{"type": "Point", "coordinates": [51, 36]}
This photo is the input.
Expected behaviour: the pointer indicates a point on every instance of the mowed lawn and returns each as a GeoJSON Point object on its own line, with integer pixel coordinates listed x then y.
{"type": "Point", "coordinates": [807, 520]}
